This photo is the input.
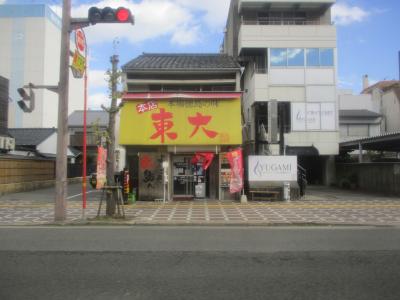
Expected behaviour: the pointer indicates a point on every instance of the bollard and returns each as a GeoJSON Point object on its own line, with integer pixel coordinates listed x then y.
{"type": "Point", "coordinates": [286, 191]}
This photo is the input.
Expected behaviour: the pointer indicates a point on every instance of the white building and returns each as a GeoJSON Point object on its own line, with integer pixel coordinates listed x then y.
{"type": "Point", "coordinates": [289, 52]}
{"type": "Point", "coordinates": [359, 116]}
{"type": "Point", "coordinates": [386, 95]}
{"type": "Point", "coordinates": [30, 52]}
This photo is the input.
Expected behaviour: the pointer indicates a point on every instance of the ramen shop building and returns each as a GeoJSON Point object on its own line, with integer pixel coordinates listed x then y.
{"type": "Point", "coordinates": [181, 114]}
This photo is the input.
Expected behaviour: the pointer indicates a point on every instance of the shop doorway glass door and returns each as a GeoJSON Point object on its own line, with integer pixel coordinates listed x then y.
{"type": "Point", "coordinates": [189, 180]}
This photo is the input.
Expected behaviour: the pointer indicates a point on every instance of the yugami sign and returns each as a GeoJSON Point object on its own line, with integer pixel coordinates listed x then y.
{"type": "Point", "coordinates": [181, 122]}
{"type": "Point", "coordinates": [272, 168]}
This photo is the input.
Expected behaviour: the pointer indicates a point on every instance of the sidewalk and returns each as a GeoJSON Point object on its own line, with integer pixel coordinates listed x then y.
{"type": "Point", "coordinates": [323, 206]}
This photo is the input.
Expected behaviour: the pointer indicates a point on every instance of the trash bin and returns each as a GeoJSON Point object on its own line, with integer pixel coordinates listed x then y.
{"type": "Point", "coordinates": [286, 191]}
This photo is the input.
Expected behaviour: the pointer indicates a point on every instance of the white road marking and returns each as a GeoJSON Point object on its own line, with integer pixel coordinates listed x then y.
{"type": "Point", "coordinates": [80, 194]}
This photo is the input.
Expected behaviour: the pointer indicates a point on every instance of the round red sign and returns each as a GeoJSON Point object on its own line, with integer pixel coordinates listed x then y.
{"type": "Point", "coordinates": [80, 41]}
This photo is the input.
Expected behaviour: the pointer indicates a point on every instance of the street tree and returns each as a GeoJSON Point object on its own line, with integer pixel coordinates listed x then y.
{"type": "Point", "coordinates": [113, 77]}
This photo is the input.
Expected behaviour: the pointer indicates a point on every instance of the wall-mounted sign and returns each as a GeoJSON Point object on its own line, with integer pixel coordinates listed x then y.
{"type": "Point", "coordinates": [272, 168]}
{"type": "Point", "coordinates": [151, 176]}
{"type": "Point", "coordinates": [181, 122]}
{"type": "Point", "coordinates": [146, 106]}
{"type": "Point", "coordinates": [7, 143]}
{"type": "Point", "coordinates": [313, 116]}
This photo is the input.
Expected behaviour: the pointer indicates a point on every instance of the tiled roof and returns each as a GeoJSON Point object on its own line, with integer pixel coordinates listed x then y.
{"type": "Point", "coordinates": [388, 141]}
{"type": "Point", "coordinates": [382, 85]}
{"type": "Point", "coordinates": [358, 113]}
{"type": "Point", "coordinates": [182, 61]}
{"type": "Point", "coordinates": [92, 116]}
{"type": "Point", "coordinates": [30, 136]}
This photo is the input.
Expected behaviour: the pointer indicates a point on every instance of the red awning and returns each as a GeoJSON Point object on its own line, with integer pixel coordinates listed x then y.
{"type": "Point", "coordinates": [161, 95]}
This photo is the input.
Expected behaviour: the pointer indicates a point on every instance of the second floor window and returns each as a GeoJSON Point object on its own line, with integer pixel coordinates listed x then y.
{"type": "Point", "coordinates": [299, 57]}
{"type": "Point", "coordinates": [320, 57]}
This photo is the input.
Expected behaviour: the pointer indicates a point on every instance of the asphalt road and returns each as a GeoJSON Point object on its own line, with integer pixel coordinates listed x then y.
{"type": "Point", "coordinates": [47, 195]}
{"type": "Point", "coordinates": [199, 263]}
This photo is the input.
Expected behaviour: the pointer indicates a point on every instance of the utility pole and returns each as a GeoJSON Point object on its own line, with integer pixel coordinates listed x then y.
{"type": "Point", "coordinates": [95, 15]}
{"type": "Point", "coordinates": [110, 210]}
{"type": "Point", "coordinates": [60, 209]}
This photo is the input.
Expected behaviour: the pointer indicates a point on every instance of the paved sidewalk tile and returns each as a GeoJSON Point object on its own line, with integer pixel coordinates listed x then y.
{"type": "Point", "coordinates": [320, 206]}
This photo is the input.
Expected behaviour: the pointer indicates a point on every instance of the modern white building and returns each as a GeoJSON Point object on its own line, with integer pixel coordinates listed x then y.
{"type": "Point", "coordinates": [30, 52]}
{"type": "Point", "coordinates": [289, 54]}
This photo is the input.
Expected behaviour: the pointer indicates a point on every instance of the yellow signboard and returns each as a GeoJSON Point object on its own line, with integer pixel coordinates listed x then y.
{"type": "Point", "coordinates": [78, 64]}
{"type": "Point", "coordinates": [181, 122]}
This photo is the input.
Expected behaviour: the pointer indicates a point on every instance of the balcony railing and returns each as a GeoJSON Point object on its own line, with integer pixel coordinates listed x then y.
{"type": "Point", "coordinates": [280, 21]}
{"type": "Point", "coordinates": [76, 140]}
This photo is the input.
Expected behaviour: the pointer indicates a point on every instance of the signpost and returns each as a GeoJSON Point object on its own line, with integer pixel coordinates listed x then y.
{"type": "Point", "coordinates": [79, 68]}
{"type": "Point", "coordinates": [80, 41]}
{"type": "Point", "coordinates": [78, 65]}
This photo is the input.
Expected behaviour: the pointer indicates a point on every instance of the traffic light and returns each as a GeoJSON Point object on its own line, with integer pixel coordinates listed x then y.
{"type": "Point", "coordinates": [27, 97]}
{"type": "Point", "coordinates": [109, 15]}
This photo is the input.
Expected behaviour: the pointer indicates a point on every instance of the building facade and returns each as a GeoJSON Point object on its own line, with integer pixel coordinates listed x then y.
{"type": "Point", "coordinates": [289, 54]}
{"type": "Point", "coordinates": [7, 143]}
{"type": "Point", "coordinates": [387, 96]}
{"type": "Point", "coordinates": [180, 115]}
{"type": "Point", "coordinates": [30, 52]}
{"type": "Point", "coordinates": [97, 122]}
{"type": "Point", "coordinates": [359, 116]}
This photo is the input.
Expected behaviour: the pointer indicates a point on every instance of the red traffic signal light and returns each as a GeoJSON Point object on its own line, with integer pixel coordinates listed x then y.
{"type": "Point", "coordinates": [122, 14]}
{"type": "Point", "coordinates": [109, 15]}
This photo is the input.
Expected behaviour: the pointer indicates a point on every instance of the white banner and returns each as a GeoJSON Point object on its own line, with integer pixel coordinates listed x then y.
{"type": "Point", "coordinates": [272, 168]}
{"type": "Point", "coordinates": [298, 116]}
{"type": "Point", "coordinates": [313, 116]}
{"type": "Point", "coordinates": [328, 116]}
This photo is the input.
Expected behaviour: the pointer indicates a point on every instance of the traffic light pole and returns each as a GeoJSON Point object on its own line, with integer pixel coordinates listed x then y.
{"type": "Point", "coordinates": [60, 209]}
{"type": "Point", "coordinates": [122, 15]}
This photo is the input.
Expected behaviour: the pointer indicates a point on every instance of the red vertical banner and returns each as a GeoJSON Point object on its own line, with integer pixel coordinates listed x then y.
{"type": "Point", "coordinates": [101, 167]}
{"type": "Point", "coordinates": [235, 159]}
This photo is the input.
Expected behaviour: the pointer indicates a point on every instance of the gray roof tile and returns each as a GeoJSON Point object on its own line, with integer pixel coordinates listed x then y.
{"type": "Point", "coordinates": [30, 136]}
{"type": "Point", "coordinates": [92, 116]}
{"type": "Point", "coordinates": [181, 61]}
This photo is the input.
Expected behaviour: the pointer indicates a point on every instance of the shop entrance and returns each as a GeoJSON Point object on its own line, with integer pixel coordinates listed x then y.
{"type": "Point", "coordinates": [189, 180]}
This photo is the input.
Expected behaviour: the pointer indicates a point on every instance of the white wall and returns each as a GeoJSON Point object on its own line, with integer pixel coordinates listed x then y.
{"type": "Point", "coordinates": [30, 52]}
{"type": "Point", "coordinates": [325, 142]}
{"type": "Point", "coordinates": [49, 145]}
{"type": "Point", "coordinates": [271, 36]}
{"type": "Point", "coordinates": [350, 102]}
{"type": "Point", "coordinates": [22, 62]}
{"type": "Point", "coordinates": [391, 111]}
{"type": "Point", "coordinates": [292, 93]}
